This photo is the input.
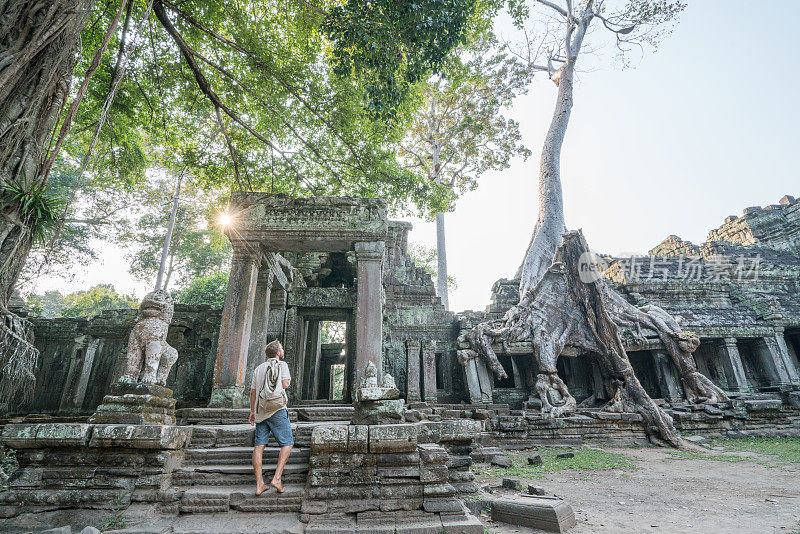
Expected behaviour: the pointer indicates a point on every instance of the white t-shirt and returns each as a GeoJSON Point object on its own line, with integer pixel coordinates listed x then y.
{"type": "Point", "coordinates": [261, 370]}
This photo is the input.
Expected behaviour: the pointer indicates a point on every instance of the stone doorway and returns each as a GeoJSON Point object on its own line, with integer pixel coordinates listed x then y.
{"type": "Point", "coordinates": [325, 355]}
{"type": "Point", "coordinates": [644, 366]}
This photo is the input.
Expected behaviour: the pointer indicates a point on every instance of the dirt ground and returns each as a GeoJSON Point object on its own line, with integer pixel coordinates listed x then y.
{"type": "Point", "coordinates": [708, 491]}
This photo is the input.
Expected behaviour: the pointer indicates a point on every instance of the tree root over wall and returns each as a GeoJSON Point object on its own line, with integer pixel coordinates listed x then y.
{"type": "Point", "coordinates": [572, 305]}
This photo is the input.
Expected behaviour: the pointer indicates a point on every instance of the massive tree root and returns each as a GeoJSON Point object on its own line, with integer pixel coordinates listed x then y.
{"type": "Point", "coordinates": [566, 308]}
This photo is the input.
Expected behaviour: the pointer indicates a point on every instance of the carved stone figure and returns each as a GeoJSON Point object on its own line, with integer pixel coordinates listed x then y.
{"type": "Point", "coordinates": [388, 382]}
{"type": "Point", "coordinates": [150, 358]}
{"type": "Point", "coordinates": [371, 391]}
{"type": "Point", "coordinates": [370, 379]}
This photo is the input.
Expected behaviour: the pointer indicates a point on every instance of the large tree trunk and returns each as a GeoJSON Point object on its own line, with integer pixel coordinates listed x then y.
{"type": "Point", "coordinates": [38, 50]}
{"type": "Point", "coordinates": [550, 224]}
{"type": "Point", "coordinates": [441, 260]}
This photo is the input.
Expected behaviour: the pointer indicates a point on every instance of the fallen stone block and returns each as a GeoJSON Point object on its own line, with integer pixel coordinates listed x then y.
{"type": "Point", "coordinates": [552, 515]}
{"type": "Point", "coordinates": [535, 460]}
{"type": "Point", "coordinates": [566, 455]}
{"type": "Point", "coordinates": [512, 484]}
{"type": "Point", "coordinates": [501, 460]}
{"type": "Point", "coordinates": [535, 490]}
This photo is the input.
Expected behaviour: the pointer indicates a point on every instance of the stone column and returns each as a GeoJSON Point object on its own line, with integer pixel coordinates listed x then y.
{"type": "Point", "coordinates": [473, 385]}
{"type": "Point", "coordinates": [73, 400]}
{"type": "Point", "coordinates": [369, 306]}
{"type": "Point", "coordinates": [234, 333]}
{"type": "Point", "coordinates": [732, 364]}
{"type": "Point", "coordinates": [598, 384]}
{"type": "Point", "coordinates": [484, 379]}
{"type": "Point", "coordinates": [412, 370]}
{"type": "Point", "coordinates": [429, 369]}
{"type": "Point", "coordinates": [277, 312]}
{"type": "Point", "coordinates": [769, 355]}
{"type": "Point", "coordinates": [668, 381]}
{"type": "Point", "coordinates": [259, 326]}
{"type": "Point", "coordinates": [786, 357]}
{"type": "Point", "coordinates": [313, 342]}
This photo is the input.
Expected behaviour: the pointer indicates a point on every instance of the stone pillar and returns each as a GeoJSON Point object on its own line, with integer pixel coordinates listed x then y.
{"type": "Point", "coordinates": [73, 400]}
{"type": "Point", "coordinates": [429, 370]}
{"type": "Point", "coordinates": [369, 306]}
{"type": "Point", "coordinates": [413, 370]}
{"type": "Point", "coordinates": [473, 384]}
{"type": "Point", "coordinates": [276, 325]}
{"type": "Point", "coordinates": [786, 357]}
{"type": "Point", "coordinates": [598, 384]}
{"type": "Point", "coordinates": [259, 326]}
{"type": "Point", "coordinates": [769, 354]}
{"type": "Point", "coordinates": [668, 381]}
{"type": "Point", "coordinates": [313, 342]}
{"type": "Point", "coordinates": [234, 333]}
{"type": "Point", "coordinates": [732, 364]}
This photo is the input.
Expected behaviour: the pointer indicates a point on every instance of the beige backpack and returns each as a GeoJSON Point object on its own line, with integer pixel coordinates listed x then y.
{"type": "Point", "coordinates": [272, 396]}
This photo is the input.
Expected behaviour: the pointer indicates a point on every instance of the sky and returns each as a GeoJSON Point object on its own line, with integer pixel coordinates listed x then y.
{"type": "Point", "coordinates": [700, 129]}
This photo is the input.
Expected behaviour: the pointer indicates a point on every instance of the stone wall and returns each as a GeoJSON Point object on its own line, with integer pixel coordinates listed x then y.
{"type": "Point", "coordinates": [72, 465]}
{"type": "Point", "coordinates": [358, 470]}
{"type": "Point", "coordinates": [81, 357]}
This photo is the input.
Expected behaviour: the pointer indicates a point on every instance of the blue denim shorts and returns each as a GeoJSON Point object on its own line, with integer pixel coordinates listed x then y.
{"type": "Point", "coordinates": [278, 425]}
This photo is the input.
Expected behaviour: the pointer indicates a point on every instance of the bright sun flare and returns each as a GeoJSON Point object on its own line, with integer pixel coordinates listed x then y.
{"type": "Point", "coordinates": [225, 219]}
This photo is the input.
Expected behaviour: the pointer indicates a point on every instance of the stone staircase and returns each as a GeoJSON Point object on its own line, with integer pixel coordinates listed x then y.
{"type": "Point", "coordinates": [217, 475]}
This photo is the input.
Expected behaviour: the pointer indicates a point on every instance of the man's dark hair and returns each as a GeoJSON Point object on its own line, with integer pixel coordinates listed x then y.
{"type": "Point", "coordinates": [273, 348]}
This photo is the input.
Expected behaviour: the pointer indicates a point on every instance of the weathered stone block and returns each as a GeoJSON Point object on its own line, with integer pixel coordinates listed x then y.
{"type": "Point", "coordinates": [439, 490]}
{"type": "Point", "coordinates": [441, 504]}
{"type": "Point", "coordinates": [432, 454]}
{"type": "Point", "coordinates": [358, 438]}
{"type": "Point", "coordinates": [430, 431]}
{"type": "Point", "coordinates": [329, 438]}
{"type": "Point", "coordinates": [20, 436]}
{"type": "Point", "coordinates": [399, 472]}
{"type": "Point", "coordinates": [435, 474]}
{"type": "Point", "coordinates": [545, 514]}
{"type": "Point", "coordinates": [63, 434]}
{"type": "Point", "coordinates": [140, 436]}
{"type": "Point", "coordinates": [393, 438]}
{"type": "Point", "coordinates": [397, 459]}
{"type": "Point", "coordinates": [460, 430]}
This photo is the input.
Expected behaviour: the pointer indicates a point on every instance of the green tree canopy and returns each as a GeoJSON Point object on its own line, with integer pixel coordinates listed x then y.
{"type": "Point", "coordinates": [80, 303]}
{"type": "Point", "coordinates": [205, 289]}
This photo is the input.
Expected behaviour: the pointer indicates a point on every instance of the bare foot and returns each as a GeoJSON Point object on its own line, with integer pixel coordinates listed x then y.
{"type": "Point", "coordinates": [261, 489]}
{"type": "Point", "coordinates": [277, 485]}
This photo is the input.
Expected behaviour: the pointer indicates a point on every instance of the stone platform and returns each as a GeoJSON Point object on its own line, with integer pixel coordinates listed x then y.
{"type": "Point", "coordinates": [136, 404]}
{"type": "Point", "coordinates": [91, 465]}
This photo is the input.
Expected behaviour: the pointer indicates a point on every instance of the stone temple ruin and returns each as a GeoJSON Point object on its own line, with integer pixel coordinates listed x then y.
{"type": "Point", "coordinates": [387, 419]}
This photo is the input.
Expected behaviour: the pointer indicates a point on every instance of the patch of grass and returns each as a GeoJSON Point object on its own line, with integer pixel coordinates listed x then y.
{"type": "Point", "coordinates": [585, 458]}
{"type": "Point", "coordinates": [785, 449]}
{"type": "Point", "coordinates": [116, 521]}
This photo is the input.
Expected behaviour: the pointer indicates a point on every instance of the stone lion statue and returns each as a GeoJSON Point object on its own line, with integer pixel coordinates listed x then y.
{"type": "Point", "coordinates": [150, 358]}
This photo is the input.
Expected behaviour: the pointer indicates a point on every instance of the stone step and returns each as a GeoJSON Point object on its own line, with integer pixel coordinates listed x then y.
{"type": "Point", "coordinates": [241, 435]}
{"type": "Point", "coordinates": [240, 474]}
{"type": "Point", "coordinates": [240, 455]}
{"type": "Point", "coordinates": [215, 499]}
{"type": "Point", "coordinates": [325, 413]}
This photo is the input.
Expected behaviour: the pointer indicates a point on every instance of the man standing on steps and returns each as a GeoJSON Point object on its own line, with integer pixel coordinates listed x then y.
{"type": "Point", "coordinates": [269, 414]}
